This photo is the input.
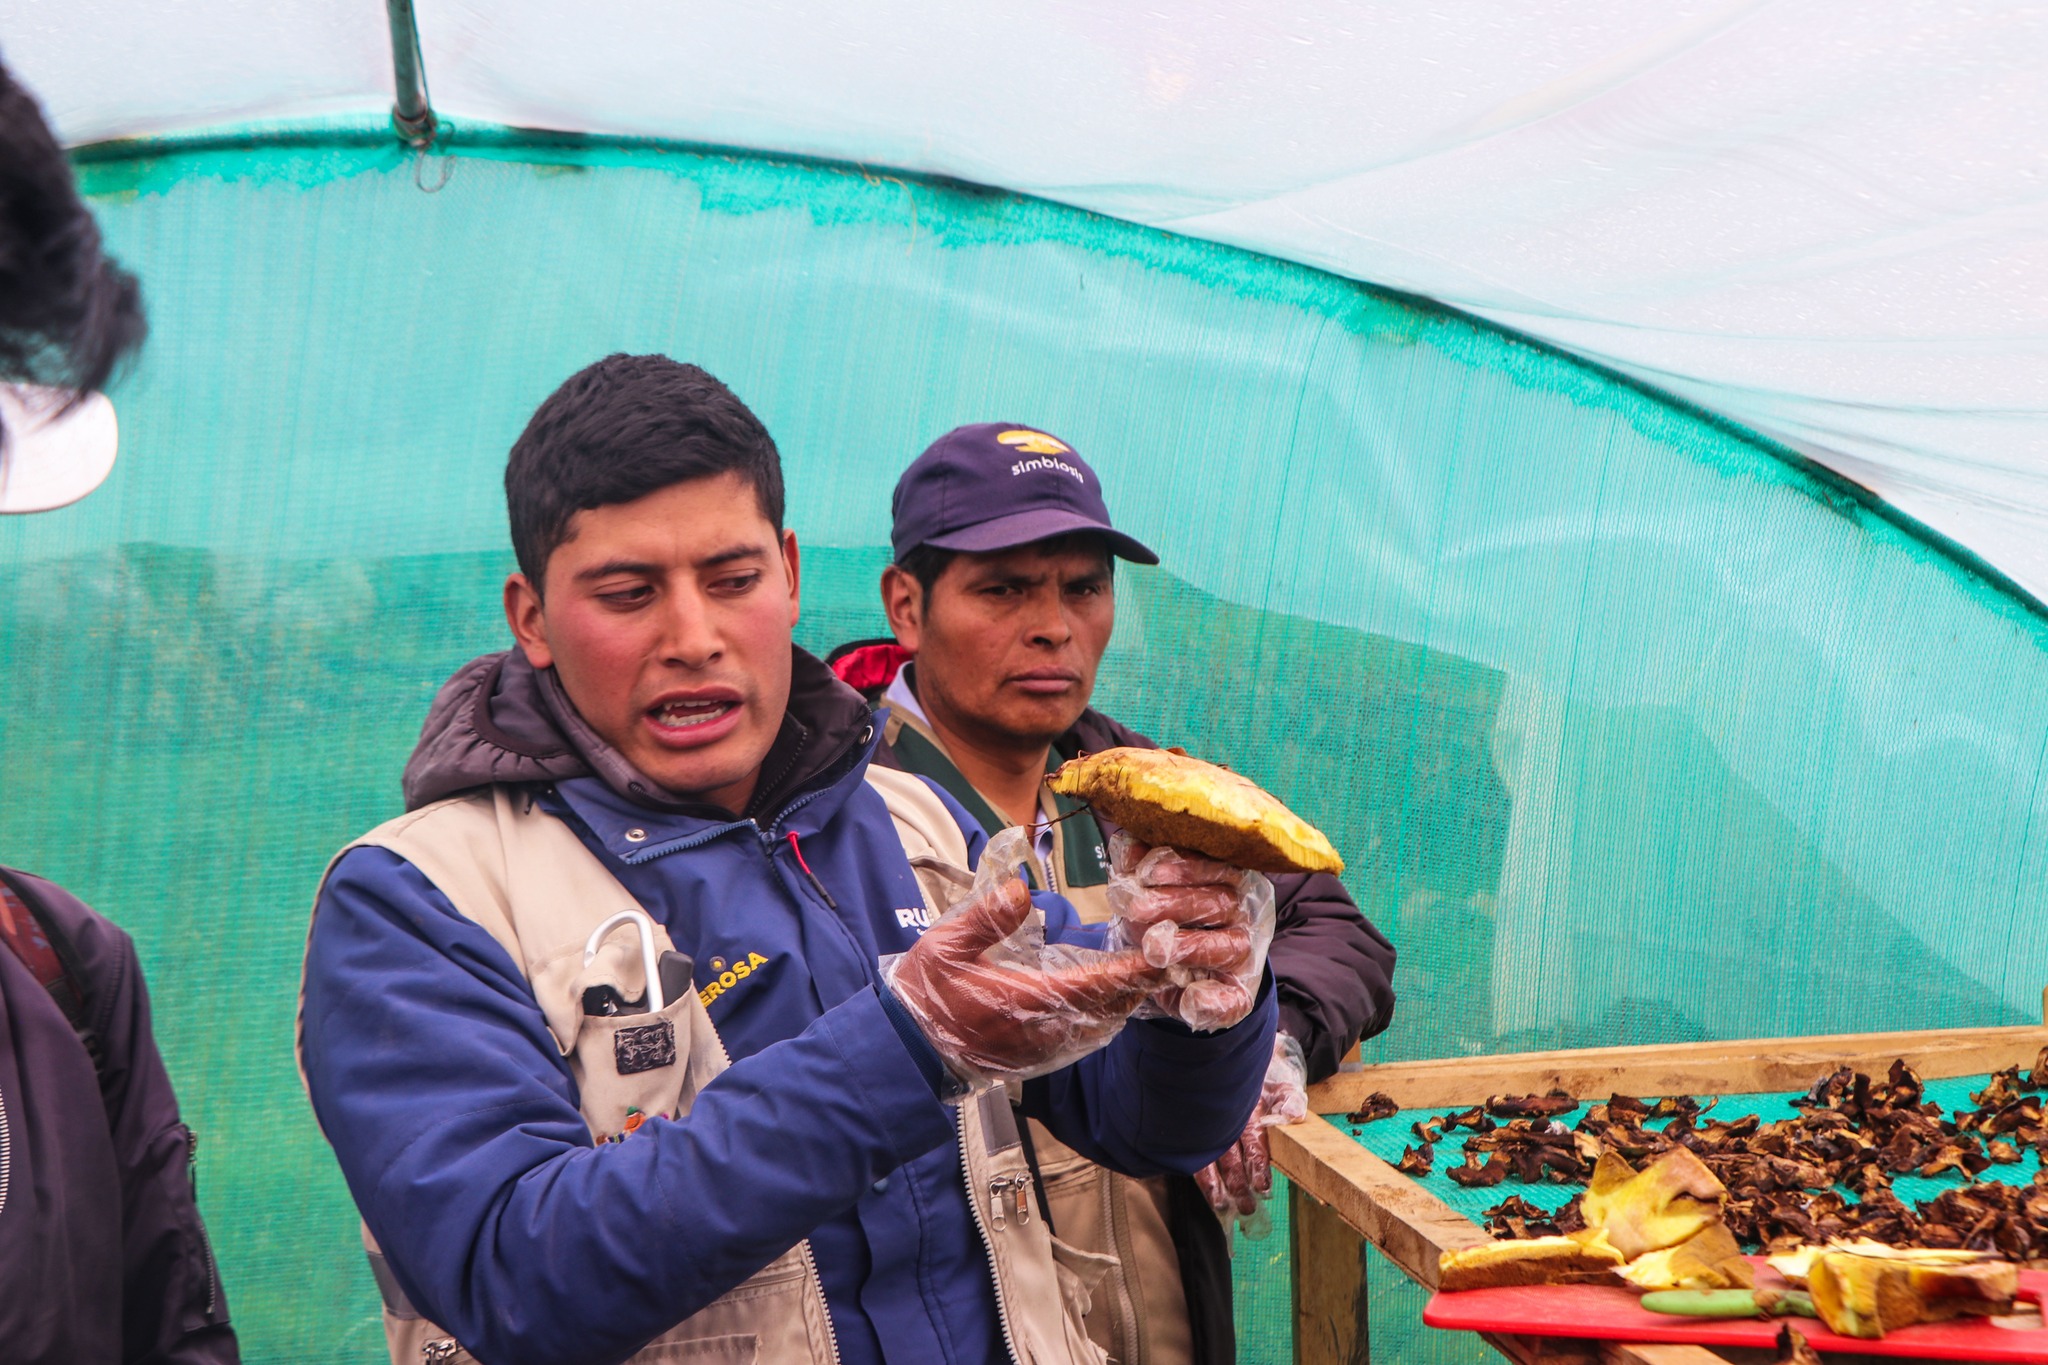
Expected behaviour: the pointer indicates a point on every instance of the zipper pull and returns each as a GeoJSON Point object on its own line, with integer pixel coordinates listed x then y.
{"type": "Point", "coordinates": [1017, 1188]}
{"type": "Point", "coordinates": [809, 875]}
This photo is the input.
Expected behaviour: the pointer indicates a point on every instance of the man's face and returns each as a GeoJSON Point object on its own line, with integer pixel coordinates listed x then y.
{"type": "Point", "coordinates": [1007, 644]}
{"type": "Point", "coordinates": [668, 621]}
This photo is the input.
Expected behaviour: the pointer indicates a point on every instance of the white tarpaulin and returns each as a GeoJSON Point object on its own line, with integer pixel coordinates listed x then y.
{"type": "Point", "coordinates": [1827, 223]}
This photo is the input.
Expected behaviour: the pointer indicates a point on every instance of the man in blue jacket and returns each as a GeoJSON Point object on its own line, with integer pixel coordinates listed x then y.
{"type": "Point", "coordinates": [716, 779]}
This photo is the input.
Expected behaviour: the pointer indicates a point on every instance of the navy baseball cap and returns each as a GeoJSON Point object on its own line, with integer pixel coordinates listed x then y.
{"type": "Point", "coordinates": [997, 485]}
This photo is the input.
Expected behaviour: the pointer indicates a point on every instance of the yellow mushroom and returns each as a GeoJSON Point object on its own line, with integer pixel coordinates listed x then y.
{"type": "Point", "coordinates": [1163, 796]}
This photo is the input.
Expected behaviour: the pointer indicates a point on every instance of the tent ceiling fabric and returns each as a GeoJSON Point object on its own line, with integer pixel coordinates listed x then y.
{"type": "Point", "coordinates": [1828, 225]}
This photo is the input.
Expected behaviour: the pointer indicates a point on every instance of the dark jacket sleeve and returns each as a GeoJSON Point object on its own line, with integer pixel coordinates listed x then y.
{"type": "Point", "coordinates": [1334, 972]}
{"type": "Point", "coordinates": [1160, 1099]}
{"type": "Point", "coordinates": [173, 1309]}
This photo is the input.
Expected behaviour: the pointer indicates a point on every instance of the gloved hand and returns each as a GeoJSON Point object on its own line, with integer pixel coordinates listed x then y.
{"type": "Point", "coordinates": [1207, 923]}
{"type": "Point", "coordinates": [995, 1000]}
{"type": "Point", "coordinates": [1239, 1182]}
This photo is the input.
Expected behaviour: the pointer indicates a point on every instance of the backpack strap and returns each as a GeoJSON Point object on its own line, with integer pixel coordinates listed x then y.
{"type": "Point", "coordinates": [28, 927]}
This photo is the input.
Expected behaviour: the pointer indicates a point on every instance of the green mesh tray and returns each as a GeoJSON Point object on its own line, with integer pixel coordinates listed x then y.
{"type": "Point", "coordinates": [1385, 1138]}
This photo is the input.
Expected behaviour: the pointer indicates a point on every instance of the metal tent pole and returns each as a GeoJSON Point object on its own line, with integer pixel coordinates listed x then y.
{"type": "Point", "coordinates": [411, 115]}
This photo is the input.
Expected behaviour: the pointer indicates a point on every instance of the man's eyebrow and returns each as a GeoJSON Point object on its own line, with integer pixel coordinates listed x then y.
{"type": "Point", "coordinates": [645, 569]}
{"type": "Point", "coordinates": [1008, 578]}
{"type": "Point", "coordinates": [616, 566]}
{"type": "Point", "coordinates": [732, 553]}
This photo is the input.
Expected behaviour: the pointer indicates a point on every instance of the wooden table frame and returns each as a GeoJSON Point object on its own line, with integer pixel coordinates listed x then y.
{"type": "Point", "coordinates": [1344, 1197]}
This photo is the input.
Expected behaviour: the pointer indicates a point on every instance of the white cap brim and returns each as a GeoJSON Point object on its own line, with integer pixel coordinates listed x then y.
{"type": "Point", "coordinates": [50, 457]}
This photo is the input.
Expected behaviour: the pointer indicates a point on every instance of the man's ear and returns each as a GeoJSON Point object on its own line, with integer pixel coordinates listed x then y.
{"type": "Point", "coordinates": [791, 564]}
{"type": "Point", "coordinates": [527, 616]}
{"type": "Point", "coordinates": [903, 602]}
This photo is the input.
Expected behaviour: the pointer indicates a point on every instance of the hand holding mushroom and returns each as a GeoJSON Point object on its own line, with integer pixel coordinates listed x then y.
{"type": "Point", "coordinates": [1187, 856]}
{"type": "Point", "coordinates": [1206, 924]}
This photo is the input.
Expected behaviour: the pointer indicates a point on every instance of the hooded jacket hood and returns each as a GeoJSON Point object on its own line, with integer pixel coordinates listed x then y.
{"type": "Point", "coordinates": [501, 720]}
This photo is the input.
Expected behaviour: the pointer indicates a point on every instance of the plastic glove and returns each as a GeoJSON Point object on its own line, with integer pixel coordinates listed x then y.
{"type": "Point", "coordinates": [994, 999]}
{"type": "Point", "coordinates": [1238, 1184]}
{"type": "Point", "coordinates": [1206, 923]}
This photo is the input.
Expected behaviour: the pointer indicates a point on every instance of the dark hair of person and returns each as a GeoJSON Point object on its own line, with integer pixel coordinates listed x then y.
{"type": "Point", "coordinates": [926, 563]}
{"type": "Point", "coordinates": [618, 430]}
{"type": "Point", "coordinates": [68, 313]}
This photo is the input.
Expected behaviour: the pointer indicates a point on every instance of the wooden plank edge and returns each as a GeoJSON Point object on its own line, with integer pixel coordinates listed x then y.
{"type": "Point", "coordinates": [1750, 1066]}
{"type": "Point", "coordinates": [1411, 1226]}
{"type": "Point", "coordinates": [1668, 1353]}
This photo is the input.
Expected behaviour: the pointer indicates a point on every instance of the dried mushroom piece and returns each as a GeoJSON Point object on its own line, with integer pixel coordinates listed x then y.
{"type": "Point", "coordinates": [1474, 1118]}
{"type": "Point", "coordinates": [1164, 797]}
{"type": "Point", "coordinates": [1475, 1174]}
{"type": "Point", "coordinates": [1530, 1106]}
{"type": "Point", "coordinates": [1516, 1217]}
{"type": "Point", "coordinates": [1378, 1105]}
{"type": "Point", "coordinates": [1828, 1092]}
{"type": "Point", "coordinates": [2001, 1090]}
{"type": "Point", "coordinates": [1416, 1161]}
{"type": "Point", "coordinates": [1792, 1348]}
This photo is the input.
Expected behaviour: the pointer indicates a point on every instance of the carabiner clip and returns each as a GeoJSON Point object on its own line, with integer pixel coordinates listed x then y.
{"type": "Point", "coordinates": [655, 1001]}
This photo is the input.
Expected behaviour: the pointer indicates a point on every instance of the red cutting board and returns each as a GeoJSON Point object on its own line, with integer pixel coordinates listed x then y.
{"type": "Point", "coordinates": [1601, 1313]}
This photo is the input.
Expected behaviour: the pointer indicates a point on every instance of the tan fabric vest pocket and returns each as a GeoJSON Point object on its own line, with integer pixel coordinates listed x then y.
{"type": "Point", "coordinates": [632, 1068]}
{"type": "Point", "coordinates": [1138, 1315]}
{"type": "Point", "coordinates": [775, 1314]}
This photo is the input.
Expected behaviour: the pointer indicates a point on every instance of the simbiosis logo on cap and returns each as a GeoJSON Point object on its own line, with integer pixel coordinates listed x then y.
{"type": "Point", "coordinates": [1040, 444]}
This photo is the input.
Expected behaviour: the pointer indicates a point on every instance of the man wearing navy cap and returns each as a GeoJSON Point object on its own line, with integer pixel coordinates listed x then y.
{"type": "Point", "coordinates": [1002, 602]}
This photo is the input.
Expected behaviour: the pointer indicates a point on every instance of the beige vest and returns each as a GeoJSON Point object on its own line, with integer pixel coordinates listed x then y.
{"type": "Point", "coordinates": [1139, 1315]}
{"type": "Point", "coordinates": [528, 880]}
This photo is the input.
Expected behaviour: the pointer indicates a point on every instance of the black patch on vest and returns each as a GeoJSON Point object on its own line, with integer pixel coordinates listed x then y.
{"type": "Point", "coordinates": [646, 1048]}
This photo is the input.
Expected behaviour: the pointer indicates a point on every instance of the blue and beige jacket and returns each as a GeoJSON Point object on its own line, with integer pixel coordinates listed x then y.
{"type": "Point", "coordinates": [456, 1115]}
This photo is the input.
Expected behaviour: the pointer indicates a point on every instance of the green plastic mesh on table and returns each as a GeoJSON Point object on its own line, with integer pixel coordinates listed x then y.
{"type": "Point", "coordinates": [1631, 728]}
{"type": "Point", "coordinates": [1385, 1138]}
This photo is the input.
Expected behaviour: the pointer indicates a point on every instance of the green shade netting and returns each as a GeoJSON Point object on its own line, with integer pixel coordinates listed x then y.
{"type": "Point", "coordinates": [1631, 729]}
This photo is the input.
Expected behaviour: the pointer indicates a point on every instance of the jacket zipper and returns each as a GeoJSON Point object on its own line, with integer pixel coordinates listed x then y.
{"type": "Point", "coordinates": [199, 1221]}
{"type": "Point", "coordinates": [810, 1258]}
{"type": "Point", "coordinates": [6, 1152]}
{"type": "Point", "coordinates": [1117, 1218]}
{"type": "Point", "coordinates": [981, 1223]}
{"type": "Point", "coordinates": [811, 1269]}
